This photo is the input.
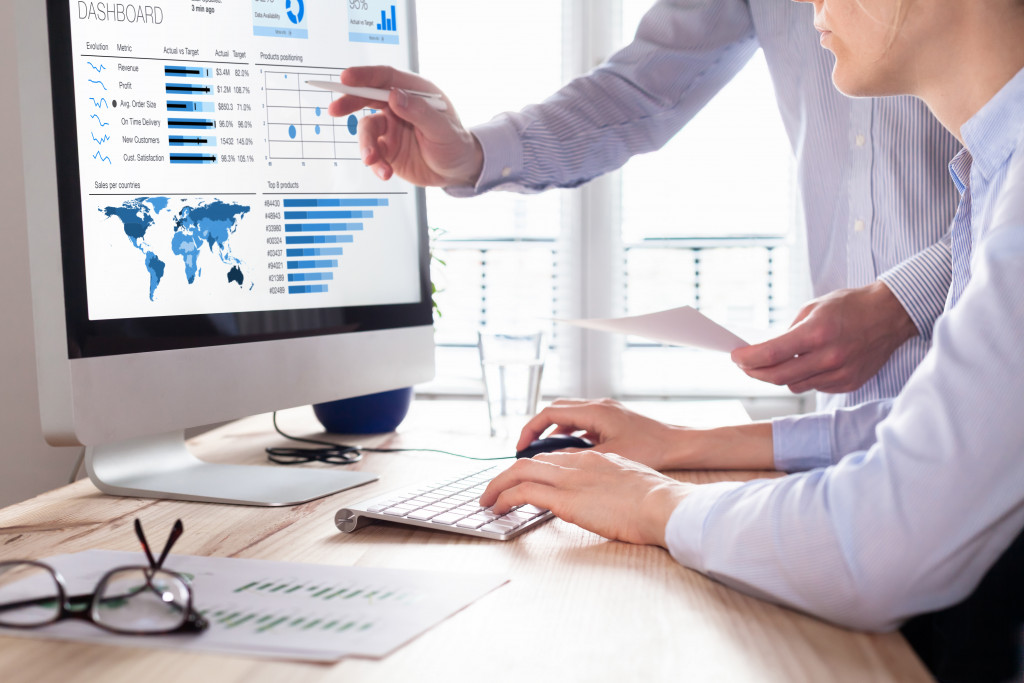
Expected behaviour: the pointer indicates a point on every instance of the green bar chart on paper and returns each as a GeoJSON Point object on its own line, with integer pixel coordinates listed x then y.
{"type": "Point", "coordinates": [318, 607]}
{"type": "Point", "coordinates": [328, 592]}
{"type": "Point", "coordinates": [292, 610]}
{"type": "Point", "coordinates": [239, 617]}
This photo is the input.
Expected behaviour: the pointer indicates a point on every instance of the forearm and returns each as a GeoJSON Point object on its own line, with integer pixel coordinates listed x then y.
{"type": "Point", "coordinates": [633, 103]}
{"type": "Point", "coordinates": [920, 284]}
{"type": "Point", "coordinates": [895, 323]}
{"type": "Point", "coordinates": [739, 447]}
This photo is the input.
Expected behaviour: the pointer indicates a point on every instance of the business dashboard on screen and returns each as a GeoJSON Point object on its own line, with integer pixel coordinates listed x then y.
{"type": "Point", "coordinates": [212, 179]}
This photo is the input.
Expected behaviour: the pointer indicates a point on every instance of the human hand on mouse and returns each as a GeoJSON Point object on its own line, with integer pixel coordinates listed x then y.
{"type": "Point", "coordinates": [425, 146]}
{"type": "Point", "coordinates": [601, 492]}
{"type": "Point", "coordinates": [613, 428]}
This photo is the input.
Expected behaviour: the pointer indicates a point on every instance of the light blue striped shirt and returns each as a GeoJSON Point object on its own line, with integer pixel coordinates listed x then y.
{"type": "Point", "coordinates": [912, 523]}
{"type": "Point", "coordinates": [871, 171]}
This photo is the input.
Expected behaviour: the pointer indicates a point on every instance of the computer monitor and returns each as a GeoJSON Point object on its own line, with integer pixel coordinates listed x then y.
{"type": "Point", "coordinates": [205, 242]}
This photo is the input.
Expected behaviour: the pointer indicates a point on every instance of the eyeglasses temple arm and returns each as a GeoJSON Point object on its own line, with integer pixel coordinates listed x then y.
{"type": "Point", "coordinates": [176, 533]}
{"type": "Point", "coordinates": [145, 545]}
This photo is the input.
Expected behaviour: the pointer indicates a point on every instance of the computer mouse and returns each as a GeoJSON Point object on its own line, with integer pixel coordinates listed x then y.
{"type": "Point", "coordinates": [554, 442]}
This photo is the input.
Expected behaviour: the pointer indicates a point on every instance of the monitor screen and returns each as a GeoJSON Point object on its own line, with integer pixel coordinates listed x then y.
{"type": "Point", "coordinates": [207, 197]}
{"type": "Point", "coordinates": [217, 247]}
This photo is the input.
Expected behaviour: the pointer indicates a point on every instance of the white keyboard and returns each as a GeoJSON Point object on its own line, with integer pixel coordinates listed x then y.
{"type": "Point", "coordinates": [450, 504]}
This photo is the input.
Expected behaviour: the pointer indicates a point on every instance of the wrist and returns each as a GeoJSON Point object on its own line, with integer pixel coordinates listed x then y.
{"type": "Point", "coordinates": [658, 508]}
{"type": "Point", "coordinates": [736, 447]}
{"type": "Point", "coordinates": [692, 449]}
{"type": "Point", "coordinates": [469, 174]}
{"type": "Point", "coordinates": [897, 321]}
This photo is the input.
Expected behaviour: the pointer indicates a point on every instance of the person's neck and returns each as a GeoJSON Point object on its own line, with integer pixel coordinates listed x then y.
{"type": "Point", "coordinates": [983, 60]}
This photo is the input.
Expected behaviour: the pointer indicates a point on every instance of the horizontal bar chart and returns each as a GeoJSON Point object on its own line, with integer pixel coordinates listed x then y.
{"type": "Point", "coordinates": [307, 289]}
{"type": "Point", "coordinates": [191, 123]}
{"type": "Point", "coordinates": [324, 215]}
{"type": "Point", "coordinates": [193, 159]}
{"type": "Point", "coordinates": [173, 71]}
{"type": "Point", "coordinates": [188, 105]}
{"type": "Point", "coordinates": [316, 232]}
{"type": "Point", "coordinates": [328, 251]}
{"type": "Point", "coordinates": [310, 277]}
{"type": "Point", "coordinates": [192, 140]}
{"type": "Point", "coordinates": [333, 202]}
{"type": "Point", "coordinates": [312, 264]}
{"type": "Point", "coordinates": [318, 239]}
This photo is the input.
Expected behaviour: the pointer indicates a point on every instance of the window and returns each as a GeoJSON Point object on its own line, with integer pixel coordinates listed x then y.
{"type": "Point", "coordinates": [721, 236]}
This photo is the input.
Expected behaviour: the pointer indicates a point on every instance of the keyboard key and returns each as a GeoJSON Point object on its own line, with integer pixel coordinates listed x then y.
{"type": "Point", "coordinates": [398, 510]}
{"type": "Point", "coordinates": [519, 517]}
{"type": "Point", "coordinates": [500, 526]}
{"type": "Point", "coordinates": [474, 522]}
{"type": "Point", "coordinates": [446, 518]}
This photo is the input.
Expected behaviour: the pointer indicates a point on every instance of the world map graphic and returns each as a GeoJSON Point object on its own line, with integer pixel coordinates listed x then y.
{"type": "Point", "coordinates": [198, 233]}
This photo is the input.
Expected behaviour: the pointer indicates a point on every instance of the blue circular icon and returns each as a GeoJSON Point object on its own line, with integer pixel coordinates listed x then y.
{"type": "Point", "coordinates": [295, 15]}
{"type": "Point", "coordinates": [353, 124]}
{"type": "Point", "coordinates": [292, 132]}
{"type": "Point", "coordinates": [318, 130]}
{"type": "Point", "coordinates": [318, 111]}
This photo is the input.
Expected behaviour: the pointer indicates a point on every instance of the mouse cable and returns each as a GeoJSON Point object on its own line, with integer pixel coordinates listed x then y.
{"type": "Point", "coordinates": [340, 454]}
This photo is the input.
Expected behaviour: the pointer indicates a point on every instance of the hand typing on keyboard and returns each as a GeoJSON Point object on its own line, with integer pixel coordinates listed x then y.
{"type": "Point", "coordinates": [601, 492]}
{"type": "Point", "coordinates": [451, 504]}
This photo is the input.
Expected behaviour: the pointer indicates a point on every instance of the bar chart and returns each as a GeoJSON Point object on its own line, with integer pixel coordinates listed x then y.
{"type": "Point", "coordinates": [388, 22]}
{"type": "Point", "coordinates": [316, 232]}
{"type": "Point", "coordinates": [191, 131]}
{"type": "Point", "coordinates": [233, 617]}
{"type": "Point", "coordinates": [373, 21]}
{"type": "Point", "coordinates": [325, 591]}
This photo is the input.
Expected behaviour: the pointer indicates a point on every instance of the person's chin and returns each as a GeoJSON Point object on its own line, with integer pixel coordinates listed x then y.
{"type": "Point", "coordinates": [855, 85]}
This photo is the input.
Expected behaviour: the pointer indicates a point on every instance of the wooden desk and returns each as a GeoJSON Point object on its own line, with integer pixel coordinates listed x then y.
{"type": "Point", "coordinates": [577, 608]}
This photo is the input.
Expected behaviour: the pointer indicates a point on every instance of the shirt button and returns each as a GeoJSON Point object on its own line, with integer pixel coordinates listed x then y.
{"type": "Point", "coordinates": [858, 226]}
{"type": "Point", "coordinates": [861, 140]}
{"type": "Point", "coordinates": [506, 172]}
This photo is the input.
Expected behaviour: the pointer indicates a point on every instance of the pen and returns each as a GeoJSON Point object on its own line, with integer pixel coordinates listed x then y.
{"type": "Point", "coordinates": [379, 94]}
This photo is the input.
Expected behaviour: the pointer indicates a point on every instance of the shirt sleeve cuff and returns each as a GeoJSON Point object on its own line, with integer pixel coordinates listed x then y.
{"type": "Point", "coordinates": [503, 157]}
{"type": "Point", "coordinates": [921, 284]}
{"type": "Point", "coordinates": [684, 534]}
{"type": "Point", "coordinates": [802, 442]}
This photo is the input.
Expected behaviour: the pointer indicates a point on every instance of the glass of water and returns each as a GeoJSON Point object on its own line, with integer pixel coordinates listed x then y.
{"type": "Point", "coordinates": [512, 364]}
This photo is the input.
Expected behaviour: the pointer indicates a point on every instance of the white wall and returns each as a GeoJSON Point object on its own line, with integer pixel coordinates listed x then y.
{"type": "Point", "coordinates": [28, 466]}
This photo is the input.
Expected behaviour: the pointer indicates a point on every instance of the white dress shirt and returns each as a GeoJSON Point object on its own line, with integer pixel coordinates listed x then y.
{"type": "Point", "coordinates": [884, 159]}
{"type": "Point", "coordinates": [911, 523]}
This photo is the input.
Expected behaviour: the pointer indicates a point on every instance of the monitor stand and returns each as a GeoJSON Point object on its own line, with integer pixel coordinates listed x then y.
{"type": "Point", "coordinates": [162, 467]}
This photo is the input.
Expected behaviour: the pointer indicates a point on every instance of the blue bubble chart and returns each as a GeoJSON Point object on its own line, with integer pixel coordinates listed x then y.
{"type": "Point", "coordinates": [292, 132]}
{"type": "Point", "coordinates": [353, 124]}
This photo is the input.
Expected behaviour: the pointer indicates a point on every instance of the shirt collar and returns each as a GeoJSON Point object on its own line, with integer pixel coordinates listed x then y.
{"type": "Point", "coordinates": [986, 134]}
{"type": "Point", "coordinates": [960, 170]}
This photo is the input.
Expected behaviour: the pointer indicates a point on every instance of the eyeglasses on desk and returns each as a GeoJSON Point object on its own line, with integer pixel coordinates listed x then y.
{"type": "Point", "coordinates": [134, 600]}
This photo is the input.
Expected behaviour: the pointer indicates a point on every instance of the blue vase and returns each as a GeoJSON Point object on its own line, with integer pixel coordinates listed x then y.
{"type": "Point", "coordinates": [370, 414]}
